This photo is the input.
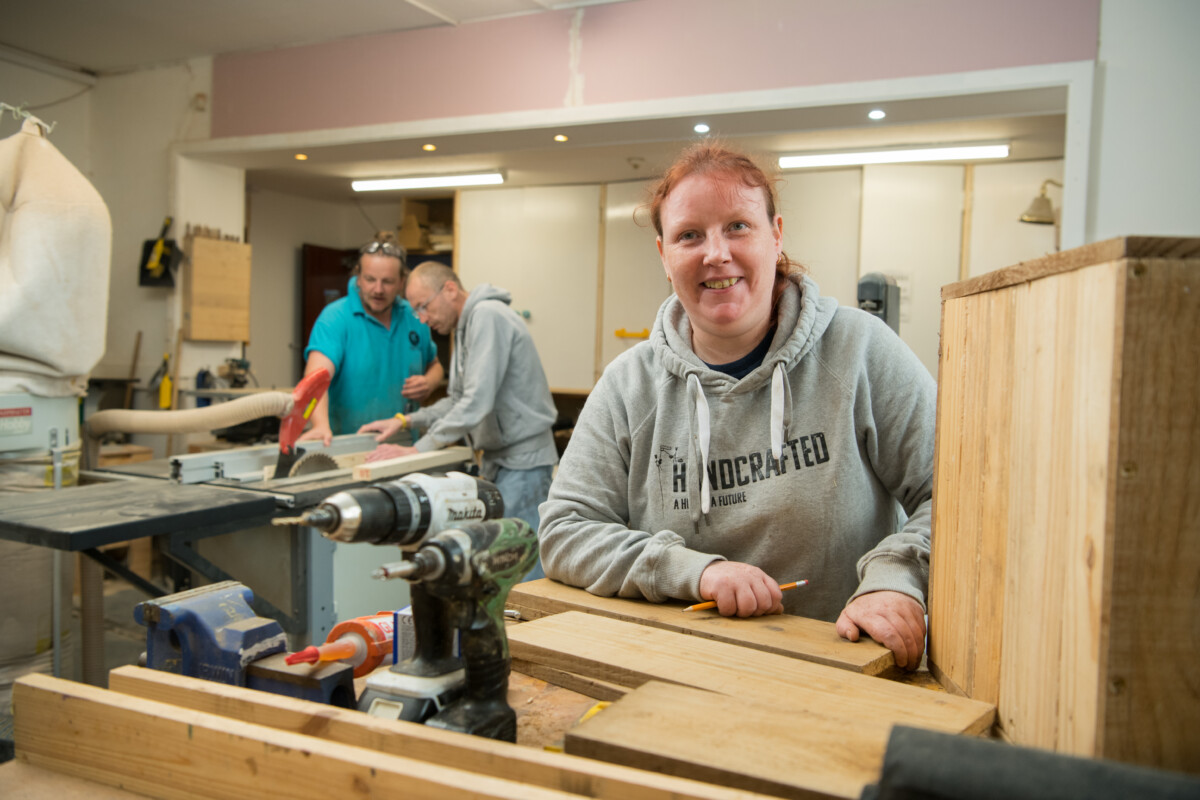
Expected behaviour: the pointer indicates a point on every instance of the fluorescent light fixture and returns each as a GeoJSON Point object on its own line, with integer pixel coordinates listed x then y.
{"type": "Point", "coordinates": [895, 156]}
{"type": "Point", "coordinates": [700, 127]}
{"type": "Point", "coordinates": [428, 182]}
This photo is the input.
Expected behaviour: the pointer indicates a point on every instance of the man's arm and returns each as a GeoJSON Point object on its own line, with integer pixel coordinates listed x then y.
{"type": "Point", "coordinates": [320, 416]}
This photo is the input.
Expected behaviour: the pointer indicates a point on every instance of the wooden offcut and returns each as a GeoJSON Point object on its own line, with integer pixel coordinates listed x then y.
{"type": "Point", "coordinates": [1066, 539]}
{"type": "Point", "coordinates": [629, 654]}
{"type": "Point", "coordinates": [434, 746]}
{"type": "Point", "coordinates": [783, 634]}
{"type": "Point", "coordinates": [678, 730]}
{"type": "Point", "coordinates": [392, 467]}
{"type": "Point", "coordinates": [216, 291]}
{"type": "Point", "coordinates": [166, 751]}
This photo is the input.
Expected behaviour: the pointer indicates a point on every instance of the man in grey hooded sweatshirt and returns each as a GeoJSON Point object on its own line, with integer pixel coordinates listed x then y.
{"type": "Point", "coordinates": [498, 397]}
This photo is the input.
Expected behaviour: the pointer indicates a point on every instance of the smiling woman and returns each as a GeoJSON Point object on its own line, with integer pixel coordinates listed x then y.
{"type": "Point", "coordinates": [762, 434]}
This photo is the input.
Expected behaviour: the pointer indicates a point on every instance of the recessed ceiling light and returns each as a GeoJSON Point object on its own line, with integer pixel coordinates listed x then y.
{"type": "Point", "coordinates": [428, 182]}
{"type": "Point", "coordinates": [700, 127]}
{"type": "Point", "coordinates": [876, 113]}
{"type": "Point", "coordinates": [562, 137]}
{"type": "Point", "coordinates": [895, 156]}
{"type": "Point", "coordinates": [301, 157]}
{"type": "Point", "coordinates": [429, 148]}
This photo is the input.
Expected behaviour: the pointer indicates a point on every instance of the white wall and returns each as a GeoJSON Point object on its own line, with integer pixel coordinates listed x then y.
{"type": "Point", "coordinates": [1145, 163]}
{"type": "Point", "coordinates": [135, 119]}
{"type": "Point", "coordinates": [635, 284]}
{"type": "Point", "coordinates": [821, 220]}
{"type": "Point", "coordinates": [64, 103]}
{"type": "Point", "coordinates": [911, 230]}
{"type": "Point", "coordinates": [1001, 194]}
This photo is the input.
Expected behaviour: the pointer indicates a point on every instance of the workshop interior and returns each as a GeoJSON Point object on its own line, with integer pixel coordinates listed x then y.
{"type": "Point", "coordinates": [198, 601]}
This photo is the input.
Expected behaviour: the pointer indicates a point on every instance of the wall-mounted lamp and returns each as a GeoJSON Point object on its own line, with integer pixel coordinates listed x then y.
{"type": "Point", "coordinates": [895, 155]}
{"type": "Point", "coordinates": [1041, 211]}
{"type": "Point", "coordinates": [429, 182]}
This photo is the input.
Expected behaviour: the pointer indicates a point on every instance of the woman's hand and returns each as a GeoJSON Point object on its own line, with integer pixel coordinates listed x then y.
{"type": "Point", "coordinates": [740, 589]}
{"type": "Point", "coordinates": [386, 428]}
{"type": "Point", "coordinates": [893, 619]}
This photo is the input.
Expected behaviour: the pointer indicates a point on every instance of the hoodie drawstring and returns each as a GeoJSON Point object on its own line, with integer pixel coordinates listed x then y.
{"type": "Point", "coordinates": [778, 387]}
{"type": "Point", "coordinates": [700, 439]}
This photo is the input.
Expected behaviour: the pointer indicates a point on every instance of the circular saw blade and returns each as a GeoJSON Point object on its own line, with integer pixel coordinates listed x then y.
{"type": "Point", "coordinates": [312, 463]}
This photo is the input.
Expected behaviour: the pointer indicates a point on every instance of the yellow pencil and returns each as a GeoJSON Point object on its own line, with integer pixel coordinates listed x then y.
{"type": "Point", "coordinates": [713, 603]}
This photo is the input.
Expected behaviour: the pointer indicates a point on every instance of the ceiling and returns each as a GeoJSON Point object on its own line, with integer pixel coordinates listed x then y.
{"type": "Point", "coordinates": [112, 36]}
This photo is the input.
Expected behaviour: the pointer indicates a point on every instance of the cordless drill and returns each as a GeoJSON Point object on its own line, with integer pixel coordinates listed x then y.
{"type": "Point", "coordinates": [467, 571]}
{"type": "Point", "coordinates": [462, 570]}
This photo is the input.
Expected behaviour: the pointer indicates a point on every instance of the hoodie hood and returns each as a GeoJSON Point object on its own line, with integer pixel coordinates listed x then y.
{"type": "Point", "coordinates": [484, 291]}
{"type": "Point", "coordinates": [803, 315]}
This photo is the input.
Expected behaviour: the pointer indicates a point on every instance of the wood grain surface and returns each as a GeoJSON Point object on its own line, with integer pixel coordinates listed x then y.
{"type": "Point", "coordinates": [678, 730]}
{"type": "Point", "coordinates": [783, 634]}
{"type": "Point", "coordinates": [631, 654]}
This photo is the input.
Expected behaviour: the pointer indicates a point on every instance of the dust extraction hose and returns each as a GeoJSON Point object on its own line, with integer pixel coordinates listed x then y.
{"type": "Point", "coordinates": [192, 420]}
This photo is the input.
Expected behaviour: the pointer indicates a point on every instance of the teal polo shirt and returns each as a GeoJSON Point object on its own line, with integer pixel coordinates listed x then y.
{"type": "Point", "coordinates": [370, 361]}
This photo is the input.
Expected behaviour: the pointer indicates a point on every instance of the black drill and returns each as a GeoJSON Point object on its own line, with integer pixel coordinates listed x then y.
{"type": "Point", "coordinates": [461, 569]}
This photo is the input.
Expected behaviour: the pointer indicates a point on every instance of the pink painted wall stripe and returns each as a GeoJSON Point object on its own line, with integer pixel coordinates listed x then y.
{"type": "Point", "coordinates": [637, 51]}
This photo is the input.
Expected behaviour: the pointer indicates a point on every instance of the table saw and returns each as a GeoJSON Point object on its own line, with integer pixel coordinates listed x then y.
{"type": "Point", "coordinates": [210, 513]}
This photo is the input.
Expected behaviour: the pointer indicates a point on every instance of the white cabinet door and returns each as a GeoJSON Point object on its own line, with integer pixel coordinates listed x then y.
{"type": "Point", "coordinates": [635, 284]}
{"type": "Point", "coordinates": [911, 230]}
{"type": "Point", "coordinates": [541, 244]}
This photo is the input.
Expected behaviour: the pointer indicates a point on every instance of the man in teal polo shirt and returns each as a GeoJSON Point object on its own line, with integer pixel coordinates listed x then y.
{"type": "Point", "coordinates": [380, 355]}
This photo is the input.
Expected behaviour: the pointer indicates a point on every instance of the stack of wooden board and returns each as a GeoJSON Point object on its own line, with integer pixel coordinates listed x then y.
{"type": "Point", "coordinates": [798, 637]}
{"type": "Point", "coordinates": [1066, 542]}
{"type": "Point", "coordinates": [737, 704]}
{"type": "Point", "coordinates": [168, 736]}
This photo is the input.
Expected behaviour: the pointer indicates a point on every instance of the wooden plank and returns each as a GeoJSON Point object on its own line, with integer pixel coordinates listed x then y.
{"type": "Point", "coordinates": [1132, 247]}
{"type": "Point", "coordinates": [1062, 387]}
{"type": "Point", "coordinates": [630, 654]}
{"type": "Point", "coordinates": [971, 474]}
{"type": "Point", "coordinates": [393, 467]}
{"type": "Point", "coordinates": [592, 687]}
{"type": "Point", "coordinates": [170, 752]}
{"type": "Point", "coordinates": [678, 730]}
{"type": "Point", "coordinates": [429, 745]}
{"type": "Point", "coordinates": [216, 291]}
{"type": "Point", "coordinates": [1150, 694]}
{"type": "Point", "coordinates": [783, 634]}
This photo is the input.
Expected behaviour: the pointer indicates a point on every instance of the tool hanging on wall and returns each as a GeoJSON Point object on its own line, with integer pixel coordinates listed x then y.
{"type": "Point", "coordinates": [160, 257]}
{"type": "Point", "coordinates": [161, 379]}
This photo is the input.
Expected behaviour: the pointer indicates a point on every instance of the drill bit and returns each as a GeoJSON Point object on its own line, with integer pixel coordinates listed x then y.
{"type": "Point", "coordinates": [320, 517]}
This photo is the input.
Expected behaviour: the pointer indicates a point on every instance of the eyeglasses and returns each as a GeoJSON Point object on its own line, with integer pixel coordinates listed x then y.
{"type": "Point", "coordinates": [419, 308]}
{"type": "Point", "coordinates": [387, 248]}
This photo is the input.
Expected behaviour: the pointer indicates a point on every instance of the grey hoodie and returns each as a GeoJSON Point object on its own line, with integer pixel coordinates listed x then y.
{"type": "Point", "coordinates": [817, 465]}
{"type": "Point", "coordinates": [498, 398]}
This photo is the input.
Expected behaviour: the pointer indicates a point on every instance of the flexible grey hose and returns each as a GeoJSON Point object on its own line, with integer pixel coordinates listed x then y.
{"type": "Point", "coordinates": [192, 420]}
